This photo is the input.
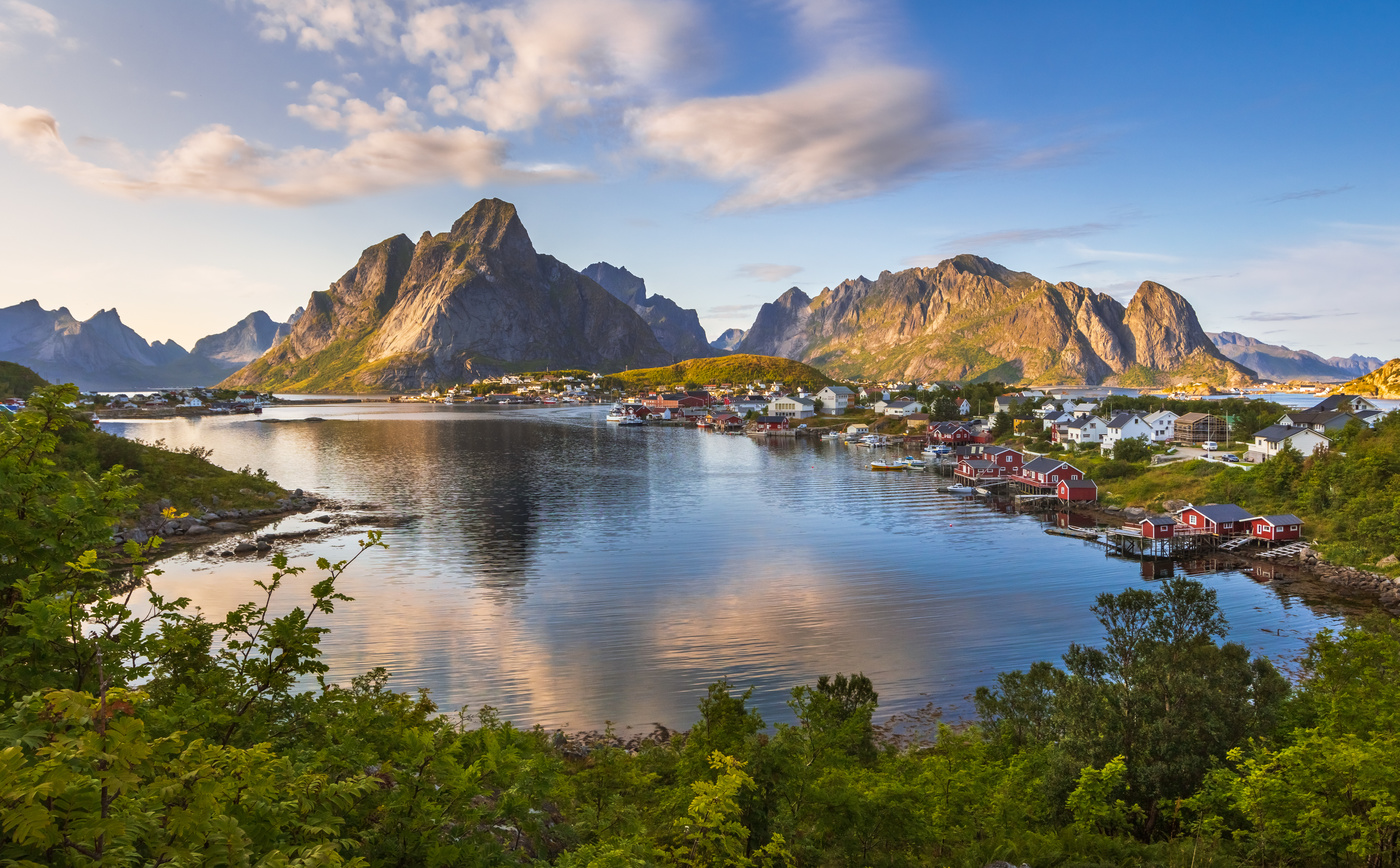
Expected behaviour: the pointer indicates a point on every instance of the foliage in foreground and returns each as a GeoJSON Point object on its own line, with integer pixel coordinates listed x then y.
{"type": "Point", "coordinates": [134, 732]}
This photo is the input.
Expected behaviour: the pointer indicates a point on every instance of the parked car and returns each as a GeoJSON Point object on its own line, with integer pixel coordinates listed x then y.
{"type": "Point", "coordinates": [1210, 446]}
{"type": "Point", "coordinates": [1230, 457]}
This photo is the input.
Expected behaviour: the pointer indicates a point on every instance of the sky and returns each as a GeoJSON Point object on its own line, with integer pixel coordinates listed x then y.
{"type": "Point", "coordinates": [190, 161]}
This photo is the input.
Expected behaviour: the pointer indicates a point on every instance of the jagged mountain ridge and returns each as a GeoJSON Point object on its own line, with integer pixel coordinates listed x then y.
{"type": "Point", "coordinates": [1282, 364]}
{"type": "Point", "coordinates": [970, 318]}
{"type": "Point", "coordinates": [676, 328]}
{"type": "Point", "coordinates": [102, 352]}
{"type": "Point", "coordinates": [247, 339]}
{"type": "Point", "coordinates": [729, 339]}
{"type": "Point", "coordinates": [473, 301]}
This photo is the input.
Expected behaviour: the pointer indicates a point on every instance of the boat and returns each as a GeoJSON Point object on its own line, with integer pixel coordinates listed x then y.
{"type": "Point", "coordinates": [940, 449]}
{"type": "Point", "coordinates": [888, 465]}
{"type": "Point", "coordinates": [616, 413]}
{"type": "Point", "coordinates": [911, 462]}
{"type": "Point", "coordinates": [448, 399]}
{"type": "Point", "coordinates": [628, 420]}
{"type": "Point", "coordinates": [959, 488]}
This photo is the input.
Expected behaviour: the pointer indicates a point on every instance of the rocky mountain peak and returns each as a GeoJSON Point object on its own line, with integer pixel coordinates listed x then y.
{"type": "Point", "coordinates": [794, 298]}
{"type": "Point", "coordinates": [493, 225]}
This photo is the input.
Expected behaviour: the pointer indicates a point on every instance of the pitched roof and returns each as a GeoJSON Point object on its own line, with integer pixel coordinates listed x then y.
{"type": "Point", "coordinates": [1332, 402]}
{"type": "Point", "coordinates": [1122, 419]}
{"type": "Point", "coordinates": [1286, 518]}
{"type": "Point", "coordinates": [1222, 512]}
{"type": "Point", "coordinates": [1279, 433]}
{"type": "Point", "coordinates": [1078, 483]}
{"type": "Point", "coordinates": [978, 463]}
{"type": "Point", "coordinates": [1153, 417]}
{"type": "Point", "coordinates": [1314, 417]}
{"type": "Point", "coordinates": [1042, 465]}
{"type": "Point", "coordinates": [1193, 418]}
{"type": "Point", "coordinates": [1158, 520]}
{"type": "Point", "coordinates": [838, 390]}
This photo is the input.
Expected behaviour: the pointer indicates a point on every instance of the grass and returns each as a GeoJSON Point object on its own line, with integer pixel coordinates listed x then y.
{"type": "Point", "coordinates": [182, 477]}
{"type": "Point", "coordinates": [737, 369]}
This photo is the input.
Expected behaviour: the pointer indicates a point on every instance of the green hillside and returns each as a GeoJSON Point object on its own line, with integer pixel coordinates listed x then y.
{"type": "Point", "coordinates": [735, 369]}
{"type": "Point", "coordinates": [17, 381]}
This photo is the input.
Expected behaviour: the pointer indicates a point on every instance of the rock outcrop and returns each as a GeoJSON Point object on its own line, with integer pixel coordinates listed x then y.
{"type": "Point", "coordinates": [677, 329]}
{"type": "Point", "coordinates": [969, 318]}
{"type": "Point", "coordinates": [1281, 364]}
{"type": "Point", "coordinates": [473, 301]}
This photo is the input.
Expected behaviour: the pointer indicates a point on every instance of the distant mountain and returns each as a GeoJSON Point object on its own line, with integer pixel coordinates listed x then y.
{"type": "Point", "coordinates": [730, 339]}
{"type": "Point", "coordinates": [102, 352]}
{"type": "Point", "coordinates": [247, 339]}
{"type": "Point", "coordinates": [676, 328]}
{"type": "Point", "coordinates": [1281, 364]}
{"type": "Point", "coordinates": [1384, 382]}
{"type": "Point", "coordinates": [1356, 365]}
{"type": "Point", "coordinates": [969, 318]}
{"type": "Point", "coordinates": [474, 301]}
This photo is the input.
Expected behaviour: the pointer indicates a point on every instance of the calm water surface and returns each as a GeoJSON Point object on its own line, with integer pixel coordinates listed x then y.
{"type": "Point", "coordinates": [570, 572]}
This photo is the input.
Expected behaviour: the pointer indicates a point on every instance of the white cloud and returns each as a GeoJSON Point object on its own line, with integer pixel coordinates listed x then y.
{"type": "Point", "coordinates": [838, 135]}
{"type": "Point", "coordinates": [509, 67]}
{"type": "Point", "coordinates": [214, 162]}
{"type": "Point", "coordinates": [330, 107]}
{"type": "Point", "coordinates": [18, 18]}
{"type": "Point", "coordinates": [767, 271]}
{"type": "Point", "coordinates": [324, 24]}
{"type": "Point", "coordinates": [179, 94]}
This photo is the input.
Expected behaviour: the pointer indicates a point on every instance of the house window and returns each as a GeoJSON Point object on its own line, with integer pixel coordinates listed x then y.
{"type": "Point", "coordinates": [1193, 520]}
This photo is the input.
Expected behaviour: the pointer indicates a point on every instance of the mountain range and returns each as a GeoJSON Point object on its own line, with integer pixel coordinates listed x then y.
{"type": "Point", "coordinates": [474, 301]}
{"type": "Point", "coordinates": [1281, 364]}
{"type": "Point", "coordinates": [102, 352]}
{"type": "Point", "coordinates": [968, 318]}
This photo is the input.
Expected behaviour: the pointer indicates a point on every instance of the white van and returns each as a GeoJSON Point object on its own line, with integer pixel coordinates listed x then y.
{"type": "Point", "coordinates": [1210, 446]}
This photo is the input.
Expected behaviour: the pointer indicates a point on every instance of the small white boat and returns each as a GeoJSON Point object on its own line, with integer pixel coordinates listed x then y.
{"type": "Point", "coordinates": [629, 420]}
{"type": "Point", "coordinates": [888, 465]}
{"type": "Point", "coordinates": [960, 489]}
{"type": "Point", "coordinates": [911, 463]}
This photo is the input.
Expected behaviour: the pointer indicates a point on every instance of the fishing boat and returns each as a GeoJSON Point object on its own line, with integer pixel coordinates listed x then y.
{"type": "Point", "coordinates": [628, 420]}
{"type": "Point", "coordinates": [960, 489]}
{"type": "Point", "coordinates": [940, 449]}
{"type": "Point", "coordinates": [616, 413]}
{"type": "Point", "coordinates": [911, 462]}
{"type": "Point", "coordinates": [888, 465]}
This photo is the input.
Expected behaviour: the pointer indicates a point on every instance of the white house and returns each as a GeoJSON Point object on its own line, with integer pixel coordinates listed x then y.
{"type": "Point", "coordinates": [897, 408]}
{"type": "Point", "coordinates": [1079, 411]}
{"type": "Point", "coordinates": [1084, 429]}
{"type": "Point", "coordinates": [964, 407]}
{"type": "Point", "coordinates": [792, 407]}
{"type": "Point", "coordinates": [192, 401]}
{"type": "Point", "coordinates": [1268, 442]}
{"type": "Point", "coordinates": [836, 399]}
{"type": "Point", "coordinates": [1124, 426]}
{"type": "Point", "coordinates": [1163, 424]}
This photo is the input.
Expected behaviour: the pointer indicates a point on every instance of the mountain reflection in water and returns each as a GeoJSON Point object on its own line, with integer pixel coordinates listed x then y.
{"type": "Point", "coordinates": [570, 572]}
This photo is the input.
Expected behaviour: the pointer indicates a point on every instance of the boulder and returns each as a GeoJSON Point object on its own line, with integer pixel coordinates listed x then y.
{"type": "Point", "coordinates": [210, 516]}
{"type": "Point", "coordinates": [1388, 561]}
{"type": "Point", "coordinates": [1135, 512]}
{"type": "Point", "coordinates": [198, 530]}
{"type": "Point", "coordinates": [244, 548]}
{"type": "Point", "coordinates": [1174, 505]}
{"type": "Point", "coordinates": [227, 525]}
{"type": "Point", "coordinates": [137, 535]}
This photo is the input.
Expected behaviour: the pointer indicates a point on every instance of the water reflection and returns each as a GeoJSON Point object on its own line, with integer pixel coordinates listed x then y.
{"type": "Point", "coordinates": [570, 572]}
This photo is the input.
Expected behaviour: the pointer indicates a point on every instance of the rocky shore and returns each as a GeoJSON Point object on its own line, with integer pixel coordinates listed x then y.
{"type": "Point", "coordinates": [213, 522]}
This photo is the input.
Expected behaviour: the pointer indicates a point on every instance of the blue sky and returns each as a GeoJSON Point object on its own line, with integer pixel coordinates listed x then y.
{"type": "Point", "coordinates": [188, 162]}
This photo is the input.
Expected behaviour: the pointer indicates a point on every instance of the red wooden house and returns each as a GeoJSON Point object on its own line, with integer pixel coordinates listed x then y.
{"type": "Point", "coordinates": [1156, 527]}
{"type": "Point", "coordinates": [1276, 528]}
{"type": "Point", "coordinates": [1224, 519]}
{"type": "Point", "coordinates": [771, 423]}
{"type": "Point", "coordinates": [1047, 472]}
{"type": "Point", "coordinates": [1072, 490]}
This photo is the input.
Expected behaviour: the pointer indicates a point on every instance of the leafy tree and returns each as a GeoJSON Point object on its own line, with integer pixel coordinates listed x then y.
{"type": "Point", "coordinates": [1132, 449]}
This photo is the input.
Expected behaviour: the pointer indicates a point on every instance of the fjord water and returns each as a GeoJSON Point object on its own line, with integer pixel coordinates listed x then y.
{"type": "Point", "coordinates": [571, 572]}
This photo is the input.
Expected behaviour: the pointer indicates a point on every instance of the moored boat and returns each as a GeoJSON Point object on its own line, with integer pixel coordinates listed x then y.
{"type": "Point", "coordinates": [888, 465]}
